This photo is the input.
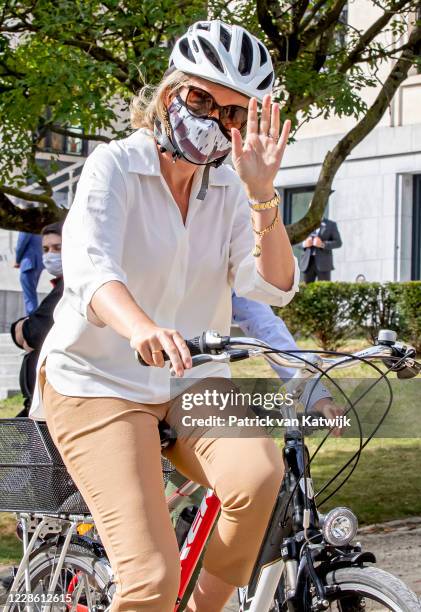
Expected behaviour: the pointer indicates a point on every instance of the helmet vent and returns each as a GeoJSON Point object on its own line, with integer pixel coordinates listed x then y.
{"type": "Point", "coordinates": [185, 50]}
{"type": "Point", "coordinates": [246, 57]}
{"type": "Point", "coordinates": [266, 82]}
{"type": "Point", "coordinates": [204, 25]}
{"type": "Point", "coordinates": [210, 53]}
{"type": "Point", "coordinates": [263, 55]}
{"type": "Point", "coordinates": [225, 37]}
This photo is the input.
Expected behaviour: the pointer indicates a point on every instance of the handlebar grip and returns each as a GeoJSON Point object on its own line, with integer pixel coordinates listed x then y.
{"type": "Point", "coordinates": [193, 346]}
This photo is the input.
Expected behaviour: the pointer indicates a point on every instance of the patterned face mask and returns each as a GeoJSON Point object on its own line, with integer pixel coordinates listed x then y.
{"type": "Point", "coordinates": [199, 140]}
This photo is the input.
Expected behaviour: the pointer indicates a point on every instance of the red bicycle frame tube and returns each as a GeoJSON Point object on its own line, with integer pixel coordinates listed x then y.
{"type": "Point", "coordinates": [192, 548]}
{"type": "Point", "coordinates": [196, 540]}
{"type": "Point", "coordinates": [70, 589]}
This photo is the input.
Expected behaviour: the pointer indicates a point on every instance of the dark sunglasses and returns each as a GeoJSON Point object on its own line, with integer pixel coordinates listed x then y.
{"type": "Point", "coordinates": [200, 103]}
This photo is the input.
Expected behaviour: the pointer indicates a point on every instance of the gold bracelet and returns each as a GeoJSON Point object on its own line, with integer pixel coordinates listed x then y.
{"type": "Point", "coordinates": [257, 247]}
{"type": "Point", "coordinates": [258, 206]}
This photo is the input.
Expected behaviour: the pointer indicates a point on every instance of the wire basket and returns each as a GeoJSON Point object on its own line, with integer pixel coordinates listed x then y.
{"type": "Point", "coordinates": [33, 477]}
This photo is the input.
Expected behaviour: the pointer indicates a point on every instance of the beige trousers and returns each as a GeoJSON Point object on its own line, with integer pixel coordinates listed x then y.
{"type": "Point", "coordinates": [111, 448]}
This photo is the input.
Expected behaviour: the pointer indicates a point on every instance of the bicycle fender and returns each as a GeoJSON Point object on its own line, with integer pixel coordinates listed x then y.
{"type": "Point", "coordinates": [346, 560]}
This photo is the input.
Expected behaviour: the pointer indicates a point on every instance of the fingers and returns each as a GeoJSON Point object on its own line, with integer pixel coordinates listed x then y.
{"type": "Point", "coordinates": [173, 353]}
{"type": "Point", "coordinates": [330, 410]}
{"type": "Point", "coordinates": [269, 124]}
{"type": "Point", "coordinates": [237, 143]}
{"type": "Point", "coordinates": [265, 116]}
{"type": "Point", "coordinates": [183, 349]}
{"type": "Point", "coordinates": [155, 349]}
{"type": "Point", "coordinates": [335, 411]}
{"type": "Point", "coordinates": [252, 120]}
{"type": "Point", "coordinates": [275, 121]}
{"type": "Point", "coordinates": [158, 340]}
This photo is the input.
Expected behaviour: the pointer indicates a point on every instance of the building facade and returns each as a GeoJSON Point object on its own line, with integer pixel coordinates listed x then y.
{"type": "Point", "coordinates": [376, 199]}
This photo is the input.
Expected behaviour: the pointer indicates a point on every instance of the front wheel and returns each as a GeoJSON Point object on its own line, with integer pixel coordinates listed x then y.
{"type": "Point", "coordinates": [370, 589]}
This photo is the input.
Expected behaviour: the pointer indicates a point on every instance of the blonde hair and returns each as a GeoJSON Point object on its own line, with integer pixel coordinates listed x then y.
{"type": "Point", "coordinates": [149, 103]}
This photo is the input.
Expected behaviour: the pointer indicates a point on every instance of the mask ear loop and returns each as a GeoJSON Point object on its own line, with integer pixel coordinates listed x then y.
{"type": "Point", "coordinates": [163, 134]}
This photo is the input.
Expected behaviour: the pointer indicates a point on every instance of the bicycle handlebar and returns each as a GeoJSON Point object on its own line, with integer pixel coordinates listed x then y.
{"type": "Point", "coordinates": [212, 347]}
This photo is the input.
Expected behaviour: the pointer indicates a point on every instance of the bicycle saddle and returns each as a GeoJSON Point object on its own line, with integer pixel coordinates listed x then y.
{"type": "Point", "coordinates": [167, 434]}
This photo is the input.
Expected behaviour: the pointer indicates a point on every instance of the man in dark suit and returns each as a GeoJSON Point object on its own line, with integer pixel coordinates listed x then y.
{"type": "Point", "coordinates": [317, 260]}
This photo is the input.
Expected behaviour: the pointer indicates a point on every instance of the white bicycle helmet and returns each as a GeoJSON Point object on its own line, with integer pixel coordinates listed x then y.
{"type": "Point", "coordinates": [225, 54]}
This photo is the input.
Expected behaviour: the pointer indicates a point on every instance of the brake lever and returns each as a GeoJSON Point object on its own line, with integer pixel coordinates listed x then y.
{"type": "Point", "coordinates": [205, 358]}
{"type": "Point", "coordinates": [411, 369]}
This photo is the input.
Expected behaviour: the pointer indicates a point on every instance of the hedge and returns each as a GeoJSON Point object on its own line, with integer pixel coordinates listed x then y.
{"type": "Point", "coordinates": [332, 312]}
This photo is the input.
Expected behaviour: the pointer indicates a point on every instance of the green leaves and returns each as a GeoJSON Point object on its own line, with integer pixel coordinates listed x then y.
{"type": "Point", "coordinates": [79, 62]}
{"type": "Point", "coordinates": [69, 62]}
{"type": "Point", "coordinates": [331, 312]}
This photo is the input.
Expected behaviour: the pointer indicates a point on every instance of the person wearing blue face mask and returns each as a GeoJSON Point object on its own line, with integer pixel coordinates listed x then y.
{"type": "Point", "coordinates": [29, 332]}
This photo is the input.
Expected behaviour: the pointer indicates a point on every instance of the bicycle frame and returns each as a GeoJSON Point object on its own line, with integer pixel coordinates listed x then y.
{"type": "Point", "coordinates": [293, 523]}
{"type": "Point", "coordinates": [196, 539]}
{"type": "Point", "coordinates": [258, 595]}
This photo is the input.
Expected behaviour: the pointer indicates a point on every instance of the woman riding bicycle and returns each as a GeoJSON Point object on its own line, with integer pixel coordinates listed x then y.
{"type": "Point", "coordinates": [151, 250]}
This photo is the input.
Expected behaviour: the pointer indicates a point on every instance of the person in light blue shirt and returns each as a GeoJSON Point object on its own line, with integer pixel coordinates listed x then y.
{"type": "Point", "coordinates": [257, 320]}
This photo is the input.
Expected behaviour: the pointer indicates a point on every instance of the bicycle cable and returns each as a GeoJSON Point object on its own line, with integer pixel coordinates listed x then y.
{"type": "Point", "coordinates": [351, 407]}
{"type": "Point", "coordinates": [356, 455]}
{"type": "Point", "coordinates": [370, 437]}
{"type": "Point", "coordinates": [352, 357]}
{"type": "Point", "coordinates": [298, 354]}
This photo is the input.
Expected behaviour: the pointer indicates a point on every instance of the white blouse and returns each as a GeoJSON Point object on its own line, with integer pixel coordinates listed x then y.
{"type": "Point", "coordinates": [125, 225]}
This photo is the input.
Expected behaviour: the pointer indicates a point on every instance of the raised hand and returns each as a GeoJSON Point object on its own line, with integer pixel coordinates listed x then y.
{"type": "Point", "coordinates": [258, 158]}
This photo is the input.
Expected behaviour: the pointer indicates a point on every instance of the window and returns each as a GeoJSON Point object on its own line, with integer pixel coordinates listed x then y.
{"type": "Point", "coordinates": [297, 201]}
{"type": "Point", "coordinates": [66, 145]}
{"type": "Point", "coordinates": [416, 230]}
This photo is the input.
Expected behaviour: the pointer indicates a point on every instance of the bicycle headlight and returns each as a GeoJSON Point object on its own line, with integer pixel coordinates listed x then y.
{"type": "Point", "coordinates": [340, 526]}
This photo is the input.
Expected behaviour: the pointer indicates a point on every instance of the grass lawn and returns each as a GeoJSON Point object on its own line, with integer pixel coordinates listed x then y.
{"type": "Point", "coordinates": [386, 484]}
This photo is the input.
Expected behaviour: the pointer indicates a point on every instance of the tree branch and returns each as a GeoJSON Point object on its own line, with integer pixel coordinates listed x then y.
{"type": "Point", "coordinates": [333, 160]}
{"type": "Point", "coordinates": [40, 198]}
{"type": "Point", "coordinates": [298, 12]}
{"type": "Point", "coordinates": [268, 26]}
{"type": "Point", "coordinates": [82, 136]}
{"type": "Point", "coordinates": [27, 220]}
{"type": "Point", "coordinates": [369, 35]}
{"type": "Point", "coordinates": [100, 54]}
{"type": "Point", "coordinates": [329, 18]}
{"type": "Point", "coordinates": [311, 14]}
